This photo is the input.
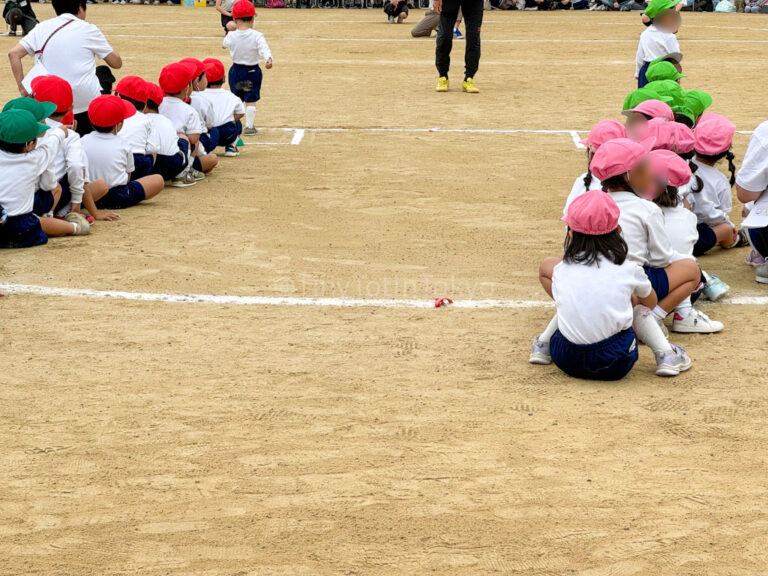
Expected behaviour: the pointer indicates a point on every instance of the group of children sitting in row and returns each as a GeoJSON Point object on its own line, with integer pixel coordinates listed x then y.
{"type": "Point", "coordinates": [651, 202]}
{"type": "Point", "coordinates": [144, 136]}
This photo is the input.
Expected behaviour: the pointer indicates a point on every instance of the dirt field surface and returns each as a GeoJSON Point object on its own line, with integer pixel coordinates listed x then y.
{"type": "Point", "coordinates": [158, 438]}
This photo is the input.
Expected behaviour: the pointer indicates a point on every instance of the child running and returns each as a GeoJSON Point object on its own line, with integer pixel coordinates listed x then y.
{"type": "Point", "coordinates": [659, 38]}
{"type": "Point", "coordinates": [247, 48]}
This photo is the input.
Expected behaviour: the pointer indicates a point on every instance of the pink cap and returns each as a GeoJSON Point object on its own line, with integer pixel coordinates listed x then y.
{"type": "Point", "coordinates": [668, 166]}
{"type": "Point", "coordinates": [619, 156]}
{"type": "Point", "coordinates": [654, 109]}
{"type": "Point", "coordinates": [684, 138]}
{"type": "Point", "coordinates": [602, 132]}
{"type": "Point", "coordinates": [594, 213]}
{"type": "Point", "coordinates": [714, 134]}
{"type": "Point", "coordinates": [661, 131]}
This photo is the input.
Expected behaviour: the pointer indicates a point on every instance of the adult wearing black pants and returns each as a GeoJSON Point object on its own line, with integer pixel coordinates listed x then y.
{"type": "Point", "coordinates": [67, 47]}
{"type": "Point", "coordinates": [473, 20]}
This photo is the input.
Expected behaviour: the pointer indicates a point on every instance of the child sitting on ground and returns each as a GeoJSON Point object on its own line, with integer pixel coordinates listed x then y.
{"type": "Point", "coordinates": [138, 130]}
{"type": "Point", "coordinates": [228, 110]}
{"type": "Point", "coordinates": [172, 160]}
{"type": "Point", "coordinates": [247, 48]}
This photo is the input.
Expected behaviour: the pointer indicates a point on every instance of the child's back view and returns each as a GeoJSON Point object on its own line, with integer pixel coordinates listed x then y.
{"type": "Point", "coordinates": [659, 38]}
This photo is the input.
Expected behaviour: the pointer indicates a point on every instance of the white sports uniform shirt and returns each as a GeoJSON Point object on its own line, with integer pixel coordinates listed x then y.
{"type": "Point", "coordinates": [643, 229]}
{"type": "Point", "coordinates": [712, 204]}
{"type": "Point", "coordinates": [595, 302]}
{"type": "Point", "coordinates": [579, 189]}
{"type": "Point", "coordinates": [680, 224]}
{"type": "Point", "coordinates": [69, 162]}
{"type": "Point", "coordinates": [227, 5]}
{"type": "Point", "coordinates": [184, 118]}
{"type": "Point", "coordinates": [109, 158]}
{"type": "Point", "coordinates": [753, 176]}
{"type": "Point", "coordinates": [247, 47]}
{"type": "Point", "coordinates": [70, 54]}
{"type": "Point", "coordinates": [225, 105]}
{"type": "Point", "coordinates": [139, 133]}
{"type": "Point", "coordinates": [167, 137]}
{"type": "Point", "coordinates": [654, 43]}
{"type": "Point", "coordinates": [203, 107]}
{"type": "Point", "coordinates": [21, 173]}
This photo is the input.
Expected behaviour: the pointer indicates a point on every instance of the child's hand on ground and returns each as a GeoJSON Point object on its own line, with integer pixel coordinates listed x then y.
{"type": "Point", "coordinates": [268, 64]}
{"type": "Point", "coordinates": [106, 216]}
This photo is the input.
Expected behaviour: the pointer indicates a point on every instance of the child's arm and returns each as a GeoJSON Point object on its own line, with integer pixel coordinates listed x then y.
{"type": "Point", "coordinates": [221, 10]}
{"type": "Point", "coordinates": [75, 170]}
{"type": "Point", "coordinates": [264, 51]}
{"type": "Point", "coordinates": [660, 251]}
{"type": "Point", "coordinates": [48, 148]}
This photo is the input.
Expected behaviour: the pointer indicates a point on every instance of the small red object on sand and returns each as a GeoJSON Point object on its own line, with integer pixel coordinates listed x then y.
{"type": "Point", "coordinates": [439, 302]}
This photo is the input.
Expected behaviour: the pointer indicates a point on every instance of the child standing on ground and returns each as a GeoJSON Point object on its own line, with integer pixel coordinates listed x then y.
{"type": "Point", "coordinates": [247, 48]}
{"type": "Point", "coordinates": [659, 38]}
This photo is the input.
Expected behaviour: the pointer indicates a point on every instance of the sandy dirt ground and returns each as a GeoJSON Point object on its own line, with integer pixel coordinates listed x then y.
{"type": "Point", "coordinates": [154, 439]}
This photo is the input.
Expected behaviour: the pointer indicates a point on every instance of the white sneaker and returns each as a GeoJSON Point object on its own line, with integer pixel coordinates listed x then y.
{"type": "Point", "coordinates": [696, 323]}
{"type": "Point", "coordinates": [715, 288]}
{"type": "Point", "coordinates": [80, 222]}
{"type": "Point", "coordinates": [197, 175]}
{"type": "Point", "coordinates": [391, 19]}
{"type": "Point", "coordinates": [673, 362]}
{"type": "Point", "coordinates": [540, 354]}
{"type": "Point", "coordinates": [183, 180]}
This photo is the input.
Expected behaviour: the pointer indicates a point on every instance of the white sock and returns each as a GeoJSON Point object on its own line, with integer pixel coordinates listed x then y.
{"type": "Point", "coordinates": [685, 308]}
{"type": "Point", "coordinates": [660, 313]}
{"type": "Point", "coordinates": [250, 116]}
{"type": "Point", "coordinates": [649, 331]}
{"type": "Point", "coordinates": [546, 336]}
{"type": "Point", "coordinates": [74, 225]}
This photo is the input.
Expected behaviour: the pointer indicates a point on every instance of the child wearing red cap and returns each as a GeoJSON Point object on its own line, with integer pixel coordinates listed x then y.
{"type": "Point", "coordinates": [176, 81]}
{"type": "Point", "coordinates": [110, 158]}
{"type": "Point", "coordinates": [138, 130]}
{"type": "Point", "coordinates": [228, 109]}
{"type": "Point", "coordinates": [209, 139]}
{"type": "Point", "coordinates": [710, 192]}
{"type": "Point", "coordinates": [594, 287]}
{"type": "Point", "coordinates": [172, 160]}
{"type": "Point", "coordinates": [247, 48]}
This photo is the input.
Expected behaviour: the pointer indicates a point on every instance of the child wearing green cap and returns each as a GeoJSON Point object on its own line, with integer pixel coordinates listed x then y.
{"type": "Point", "coordinates": [22, 163]}
{"type": "Point", "coordinates": [658, 39]}
{"type": "Point", "coordinates": [660, 70]}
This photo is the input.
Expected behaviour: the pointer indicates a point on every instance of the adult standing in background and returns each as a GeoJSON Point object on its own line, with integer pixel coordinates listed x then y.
{"type": "Point", "coordinates": [473, 20]}
{"type": "Point", "coordinates": [67, 46]}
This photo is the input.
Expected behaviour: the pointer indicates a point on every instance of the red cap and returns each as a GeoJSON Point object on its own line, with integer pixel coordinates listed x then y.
{"type": "Point", "coordinates": [243, 9]}
{"type": "Point", "coordinates": [175, 77]}
{"type": "Point", "coordinates": [214, 69]}
{"type": "Point", "coordinates": [53, 89]}
{"type": "Point", "coordinates": [594, 213]}
{"type": "Point", "coordinates": [199, 66]}
{"type": "Point", "coordinates": [107, 111]}
{"type": "Point", "coordinates": [68, 119]}
{"type": "Point", "coordinates": [155, 93]}
{"type": "Point", "coordinates": [132, 87]}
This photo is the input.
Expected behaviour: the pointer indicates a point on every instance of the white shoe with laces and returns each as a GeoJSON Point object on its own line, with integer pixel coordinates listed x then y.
{"type": "Point", "coordinates": [696, 323]}
{"type": "Point", "coordinates": [673, 362]}
{"type": "Point", "coordinates": [540, 354]}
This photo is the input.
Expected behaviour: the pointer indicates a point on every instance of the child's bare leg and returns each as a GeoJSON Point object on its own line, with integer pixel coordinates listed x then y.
{"type": "Point", "coordinates": [95, 191]}
{"type": "Point", "coordinates": [56, 227]}
{"type": "Point", "coordinates": [546, 268]}
{"type": "Point", "coordinates": [683, 277]}
{"type": "Point", "coordinates": [56, 195]}
{"type": "Point", "coordinates": [152, 185]}
{"type": "Point", "coordinates": [726, 234]}
{"type": "Point", "coordinates": [208, 162]}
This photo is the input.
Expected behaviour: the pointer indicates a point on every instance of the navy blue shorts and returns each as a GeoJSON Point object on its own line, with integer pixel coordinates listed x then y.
{"type": "Point", "coordinates": [229, 132]}
{"type": "Point", "coordinates": [659, 281]}
{"type": "Point", "coordinates": [144, 164]}
{"type": "Point", "coordinates": [171, 166]}
{"type": "Point", "coordinates": [707, 240]}
{"type": "Point", "coordinates": [641, 79]}
{"type": "Point", "coordinates": [610, 359]}
{"type": "Point", "coordinates": [43, 202]}
{"type": "Point", "coordinates": [122, 196]}
{"type": "Point", "coordinates": [759, 239]}
{"type": "Point", "coordinates": [210, 140]}
{"type": "Point", "coordinates": [245, 82]}
{"type": "Point", "coordinates": [22, 231]}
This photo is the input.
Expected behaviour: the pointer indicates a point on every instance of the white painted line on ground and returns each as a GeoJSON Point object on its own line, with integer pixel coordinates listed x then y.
{"type": "Point", "coordinates": [577, 139]}
{"type": "Point", "coordinates": [298, 136]}
{"type": "Point", "coordinates": [297, 301]}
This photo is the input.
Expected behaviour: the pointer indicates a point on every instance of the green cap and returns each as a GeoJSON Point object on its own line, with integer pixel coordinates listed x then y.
{"type": "Point", "coordinates": [662, 71]}
{"type": "Point", "coordinates": [687, 112]}
{"type": "Point", "coordinates": [698, 101]}
{"type": "Point", "coordinates": [641, 95]}
{"type": "Point", "coordinates": [656, 7]}
{"type": "Point", "coordinates": [19, 127]}
{"type": "Point", "coordinates": [670, 90]}
{"type": "Point", "coordinates": [671, 57]}
{"type": "Point", "coordinates": [40, 110]}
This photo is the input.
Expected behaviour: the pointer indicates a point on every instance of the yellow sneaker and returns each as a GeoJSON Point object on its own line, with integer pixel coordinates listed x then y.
{"type": "Point", "coordinates": [470, 87]}
{"type": "Point", "coordinates": [442, 84]}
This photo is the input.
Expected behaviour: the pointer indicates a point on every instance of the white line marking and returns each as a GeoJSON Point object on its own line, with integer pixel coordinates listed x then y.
{"type": "Point", "coordinates": [298, 136]}
{"type": "Point", "coordinates": [577, 139]}
{"type": "Point", "coordinates": [296, 301]}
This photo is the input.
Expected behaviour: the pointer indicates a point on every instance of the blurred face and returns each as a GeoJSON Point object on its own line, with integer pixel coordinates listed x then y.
{"type": "Point", "coordinates": [642, 180]}
{"type": "Point", "coordinates": [635, 124]}
{"type": "Point", "coordinates": [669, 21]}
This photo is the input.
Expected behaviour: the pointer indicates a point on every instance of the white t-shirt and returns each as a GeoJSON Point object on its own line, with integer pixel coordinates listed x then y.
{"type": "Point", "coordinates": [70, 54]}
{"type": "Point", "coordinates": [139, 133]}
{"type": "Point", "coordinates": [225, 105]}
{"type": "Point", "coordinates": [753, 176]}
{"type": "Point", "coordinates": [21, 173]}
{"type": "Point", "coordinates": [680, 224]}
{"type": "Point", "coordinates": [643, 229]}
{"type": "Point", "coordinates": [247, 47]}
{"type": "Point", "coordinates": [109, 158]}
{"type": "Point", "coordinates": [184, 118]}
{"type": "Point", "coordinates": [69, 162]}
{"type": "Point", "coordinates": [595, 302]}
{"type": "Point", "coordinates": [654, 43]}
{"type": "Point", "coordinates": [167, 137]}
{"type": "Point", "coordinates": [579, 189]}
{"type": "Point", "coordinates": [203, 107]}
{"type": "Point", "coordinates": [712, 204]}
